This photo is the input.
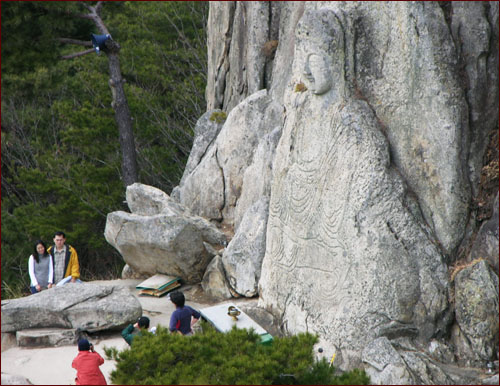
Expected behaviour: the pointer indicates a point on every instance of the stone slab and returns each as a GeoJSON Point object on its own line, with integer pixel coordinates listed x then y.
{"type": "Point", "coordinates": [218, 317]}
{"type": "Point", "coordinates": [46, 337]}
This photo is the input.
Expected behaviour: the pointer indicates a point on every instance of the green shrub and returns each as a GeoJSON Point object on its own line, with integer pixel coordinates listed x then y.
{"type": "Point", "coordinates": [213, 358]}
{"type": "Point", "coordinates": [218, 116]}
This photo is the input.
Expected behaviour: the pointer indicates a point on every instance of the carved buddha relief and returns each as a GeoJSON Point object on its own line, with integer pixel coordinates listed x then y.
{"type": "Point", "coordinates": [306, 224]}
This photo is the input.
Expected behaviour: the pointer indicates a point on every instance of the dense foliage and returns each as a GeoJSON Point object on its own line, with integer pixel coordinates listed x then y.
{"type": "Point", "coordinates": [60, 150]}
{"type": "Point", "coordinates": [233, 358]}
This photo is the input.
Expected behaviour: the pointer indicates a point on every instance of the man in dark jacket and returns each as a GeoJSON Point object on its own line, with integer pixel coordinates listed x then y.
{"type": "Point", "coordinates": [131, 331]}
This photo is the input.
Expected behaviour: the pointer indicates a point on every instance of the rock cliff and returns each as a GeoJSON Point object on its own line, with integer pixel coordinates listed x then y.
{"type": "Point", "coordinates": [355, 166]}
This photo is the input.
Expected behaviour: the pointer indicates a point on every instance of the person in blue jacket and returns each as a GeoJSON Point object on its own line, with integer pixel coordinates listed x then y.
{"type": "Point", "coordinates": [183, 317]}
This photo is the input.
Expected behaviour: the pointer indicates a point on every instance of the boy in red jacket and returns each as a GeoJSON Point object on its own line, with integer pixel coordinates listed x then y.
{"type": "Point", "coordinates": [87, 364]}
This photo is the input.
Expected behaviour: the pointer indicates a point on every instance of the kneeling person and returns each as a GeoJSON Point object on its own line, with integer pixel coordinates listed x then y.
{"type": "Point", "coordinates": [131, 331]}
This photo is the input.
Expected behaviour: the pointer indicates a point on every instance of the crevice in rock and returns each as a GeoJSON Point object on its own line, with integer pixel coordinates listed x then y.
{"type": "Point", "coordinates": [447, 9]}
{"type": "Point", "coordinates": [220, 81]}
{"type": "Point", "coordinates": [223, 205]}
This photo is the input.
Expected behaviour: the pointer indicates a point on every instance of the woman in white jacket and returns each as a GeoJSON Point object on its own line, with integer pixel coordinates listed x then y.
{"type": "Point", "coordinates": [40, 268]}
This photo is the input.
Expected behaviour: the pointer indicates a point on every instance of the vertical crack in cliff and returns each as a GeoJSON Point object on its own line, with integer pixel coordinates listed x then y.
{"type": "Point", "coordinates": [223, 205]}
{"type": "Point", "coordinates": [446, 7]}
{"type": "Point", "coordinates": [223, 61]}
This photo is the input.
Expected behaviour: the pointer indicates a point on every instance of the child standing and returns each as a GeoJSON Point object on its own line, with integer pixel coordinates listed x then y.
{"type": "Point", "coordinates": [87, 364]}
{"type": "Point", "coordinates": [183, 317]}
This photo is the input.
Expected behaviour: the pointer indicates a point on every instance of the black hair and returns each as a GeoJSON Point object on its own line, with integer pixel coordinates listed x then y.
{"type": "Point", "coordinates": [35, 252]}
{"type": "Point", "coordinates": [60, 233]}
{"type": "Point", "coordinates": [177, 297]}
{"type": "Point", "coordinates": [143, 322]}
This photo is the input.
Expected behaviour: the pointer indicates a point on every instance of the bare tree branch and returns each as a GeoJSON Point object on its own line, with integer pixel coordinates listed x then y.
{"type": "Point", "coordinates": [75, 41]}
{"type": "Point", "coordinates": [98, 7]}
{"type": "Point", "coordinates": [89, 7]}
{"type": "Point", "coordinates": [77, 54]}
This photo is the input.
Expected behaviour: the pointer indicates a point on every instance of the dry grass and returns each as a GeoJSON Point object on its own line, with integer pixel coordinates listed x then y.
{"type": "Point", "coordinates": [460, 265]}
{"type": "Point", "coordinates": [300, 87]}
{"type": "Point", "coordinates": [269, 48]}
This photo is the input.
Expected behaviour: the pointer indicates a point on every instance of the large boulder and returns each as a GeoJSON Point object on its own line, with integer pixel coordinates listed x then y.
{"type": "Point", "coordinates": [161, 236]}
{"type": "Point", "coordinates": [476, 309]}
{"type": "Point", "coordinates": [88, 307]}
{"type": "Point", "coordinates": [147, 200]}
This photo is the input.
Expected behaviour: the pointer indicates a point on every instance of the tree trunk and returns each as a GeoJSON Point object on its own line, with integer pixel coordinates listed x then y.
{"type": "Point", "coordinates": [119, 103]}
{"type": "Point", "coordinates": [122, 115]}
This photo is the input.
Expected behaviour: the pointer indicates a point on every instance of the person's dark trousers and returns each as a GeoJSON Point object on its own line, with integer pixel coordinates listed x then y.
{"type": "Point", "coordinates": [33, 289]}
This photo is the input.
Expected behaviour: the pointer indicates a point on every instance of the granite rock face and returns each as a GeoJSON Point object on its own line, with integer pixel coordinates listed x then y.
{"type": "Point", "coordinates": [213, 188]}
{"type": "Point", "coordinates": [347, 252]}
{"type": "Point", "coordinates": [242, 259]}
{"type": "Point", "coordinates": [486, 243]}
{"type": "Point", "coordinates": [387, 109]}
{"type": "Point", "coordinates": [214, 281]}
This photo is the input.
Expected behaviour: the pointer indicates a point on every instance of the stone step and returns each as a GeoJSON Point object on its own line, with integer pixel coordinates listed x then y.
{"type": "Point", "coordinates": [46, 337]}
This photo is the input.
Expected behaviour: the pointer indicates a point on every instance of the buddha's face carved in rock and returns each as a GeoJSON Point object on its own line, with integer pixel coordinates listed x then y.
{"type": "Point", "coordinates": [317, 73]}
{"type": "Point", "coordinates": [320, 52]}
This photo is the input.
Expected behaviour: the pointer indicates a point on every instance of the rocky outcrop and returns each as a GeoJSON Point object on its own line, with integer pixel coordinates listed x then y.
{"type": "Point", "coordinates": [240, 44]}
{"type": "Point", "coordinates": [214, 281]}
{"type": "Point", "coordinates": [406, 60]}
{"type": "Point", "coordinates": [399, 362]}
{"type": "Point", "coordinates": [365, 126]}
{"type": "Point", "coordinates": [242, 259]}
{"type": "Point", "coordinates": [486, 243]}
{"type": "Point", "coordinates": [370, 184]}
{"type": "Point", "coordinates": [214, 186]}
{"type": "Point", "coordinates": [205, 132]}
{"type": "Point", "coordinates": [415, 51]}
{"type": "Point", "coordinates": [258, 176]}
{"type": "Point", "coordinates": [161, 236]}
{"type": "Point", "coordinates": [385, 365]}
{"type": "Point", "coordinates": [86, 307]}
{"type": "Point", "coordinates": [474, 27]}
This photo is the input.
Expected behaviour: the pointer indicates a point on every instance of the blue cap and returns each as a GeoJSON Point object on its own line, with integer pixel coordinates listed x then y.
{"type": "Point", "coordinates": [83, 345]}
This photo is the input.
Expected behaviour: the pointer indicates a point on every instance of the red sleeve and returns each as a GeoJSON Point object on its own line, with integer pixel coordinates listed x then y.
{"type": "Point", "coordinates": [75, 362]}
{"type": "Point", "coordinates": [99, 358]}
